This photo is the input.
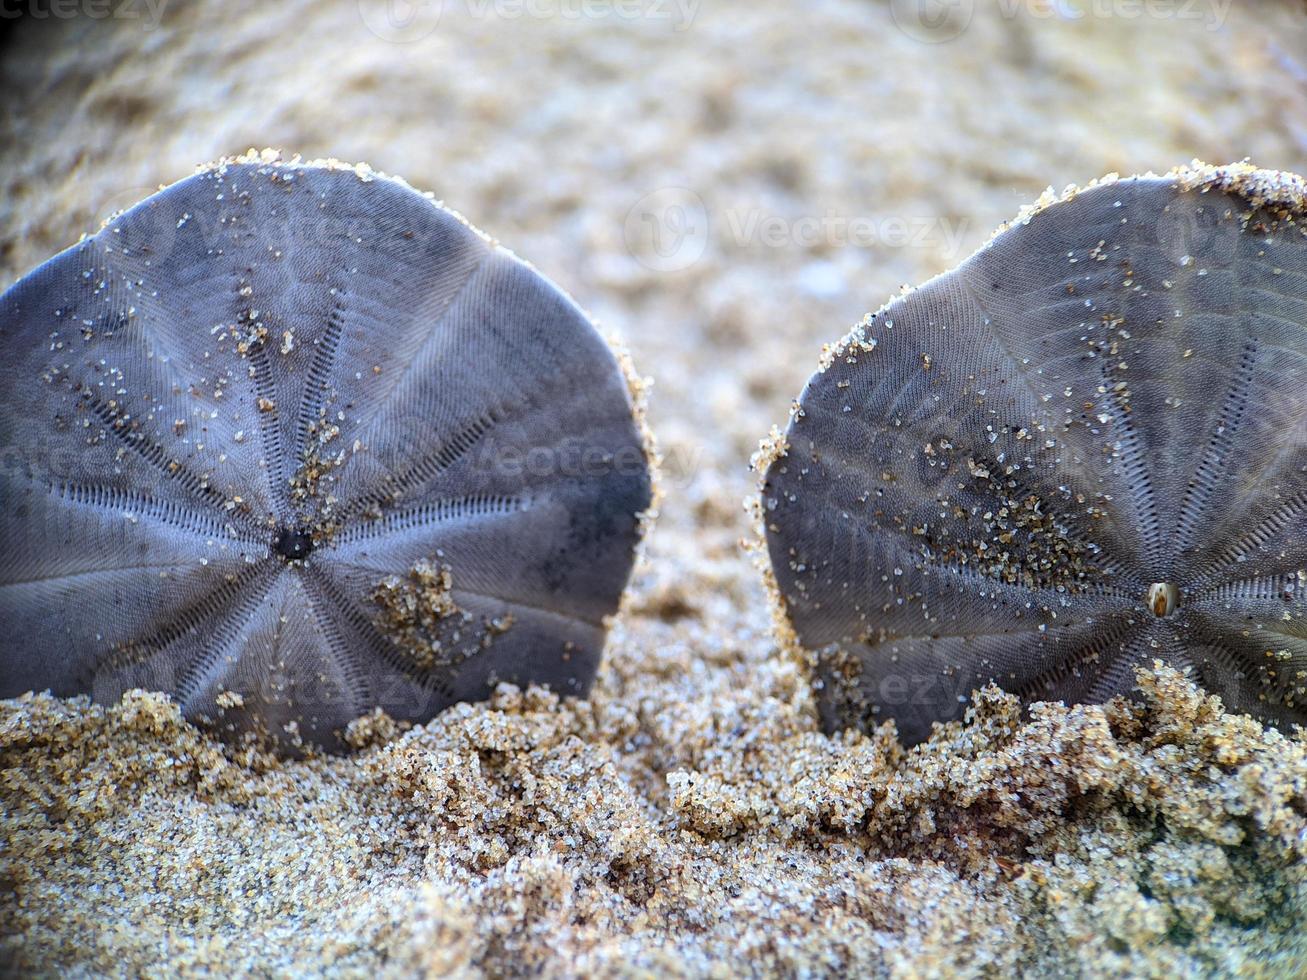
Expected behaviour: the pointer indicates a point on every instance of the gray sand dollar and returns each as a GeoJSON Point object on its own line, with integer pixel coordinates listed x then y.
{"type": "Point", "coordinates": [1082, 450]}
{"type": "Point", "coordinates": [291, 442]}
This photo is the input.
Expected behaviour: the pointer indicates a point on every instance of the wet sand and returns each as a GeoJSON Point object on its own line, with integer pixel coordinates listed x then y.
{"type": "Point", "coordinates": [800, 165]}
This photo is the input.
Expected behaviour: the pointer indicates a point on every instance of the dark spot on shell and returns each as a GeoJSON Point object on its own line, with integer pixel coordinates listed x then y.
{"type": "Point", "coordinates": [293, 543]}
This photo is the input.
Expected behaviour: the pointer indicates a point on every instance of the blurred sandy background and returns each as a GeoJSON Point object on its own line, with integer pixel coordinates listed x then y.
{"type": "Point", "coordinates": [725, 186]}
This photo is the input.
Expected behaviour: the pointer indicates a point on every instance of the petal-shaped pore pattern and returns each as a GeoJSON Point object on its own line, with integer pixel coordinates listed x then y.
{"type": "Point", "coordinates": [1083, 449]}
{"type": "Point", "coordinates": [291, 442]}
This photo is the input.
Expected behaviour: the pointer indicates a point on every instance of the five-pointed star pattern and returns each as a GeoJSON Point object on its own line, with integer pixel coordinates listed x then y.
{"type": "Point", "coordinates": [293, 441]}
{"type": "Point", "coordinates": [1083, 449]}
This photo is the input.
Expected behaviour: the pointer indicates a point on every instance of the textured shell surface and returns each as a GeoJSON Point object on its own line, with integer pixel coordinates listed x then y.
{"type": "Point", "coordinates": [291, 442]}
{"type": "Point", "coordinates": [1083, 449]}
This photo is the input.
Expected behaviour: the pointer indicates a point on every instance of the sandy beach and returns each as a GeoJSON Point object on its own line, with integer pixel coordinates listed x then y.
{"type": "Point", "coordinates": [725, 188]}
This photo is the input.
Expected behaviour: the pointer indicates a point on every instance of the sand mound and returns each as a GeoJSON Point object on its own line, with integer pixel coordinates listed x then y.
{"type": "Point", "coordinates": [527, 835]}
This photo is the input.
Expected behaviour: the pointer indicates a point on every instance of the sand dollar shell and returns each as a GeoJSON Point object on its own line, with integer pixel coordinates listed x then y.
{"type": "Point", "coordinates": [1082, 450]}
{"type": "Point", "coordinates": [293, 441]}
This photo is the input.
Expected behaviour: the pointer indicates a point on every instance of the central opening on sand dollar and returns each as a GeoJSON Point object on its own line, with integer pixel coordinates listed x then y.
{"type": "Point", "coordinates": [292, 543]}
{"type": "Point", "coordinates": [1163, 597]}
